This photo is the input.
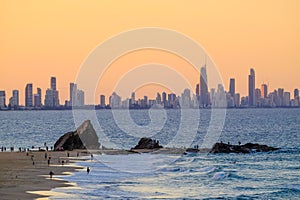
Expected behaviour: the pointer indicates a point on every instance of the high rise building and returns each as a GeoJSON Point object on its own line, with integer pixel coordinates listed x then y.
{"type": "Point", "coordinates": [73, 90]}
{"type": "Point", "coordinates": [102, 101]}
{"type": "Point", "coordinates": [115, 101]}
{"type": "Point", "coordinates": [232, 87]}
{"type": "Point", "coordinates": [15, 95]}
{"type": "Point", "coordinates": [28, 95]}
{"type": "Point", "coordinates": [296, 93]}
{"type": "Point", "coordinates": [164, 99]}
{"type": "Point", "coordinates": [280, 96]}
{"type": "Point", "coordinates": [286, 99]}
{"type": "Point", "coordinates": [53, 83]}
{"type": "Point", "coordinates": [186, 99]}
{"type": "Point", "coordinates": [80, 98]}
{"type": "Point", "coordinates": [264, 91]}
{"type": "Point", "coordinates": [38, 98]}
{"type": "Point", "coordinates": [158, 98]}
{"type": "Point", "coordinates": [52, 95]}
{"type": "Point", "coordinates": [132, 98]}
{"type": "Point", "coordinates": [203, 87]}
{"type": "Point", "coordinates": [2, 99]}
{"type": "Point", "coordinates": [251, 88]}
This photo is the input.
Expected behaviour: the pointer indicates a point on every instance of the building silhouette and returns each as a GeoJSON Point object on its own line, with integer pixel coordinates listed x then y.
{"type": "Point", "coordinates": [232, 87]}
{"type": "Point", "coordinates": [264, 90]}
{"type": "Point", "coordinates": [204, 98]}
{"type": "Point", "coordinates": [251, 85]}
{"type": "Point", "coordinates": [2, 99]}
{"type": "Point", "coordinates": [28, 95]}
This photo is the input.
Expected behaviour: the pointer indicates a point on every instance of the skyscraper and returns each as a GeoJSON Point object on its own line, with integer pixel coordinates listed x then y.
{"type": "Point", "coordinates": [296, 93]}
{"type": "Point", "coordinates": [38, 98]}
{"type": "Point", "coordinates": [53, 83]}
{"type": "Point", "coordinates": [73, 91]}
{"type": "Point", "coordinates": [251, 86]}
{"type": "Point", "coordinates": [15, 94]}
{"type": "Point", "coordinates": [2, 99]}
{"type": "Point", "coordinates": [232, 87]}
{"type": "Point", "coordinates": [102, 101]}
{"type": "Point", "coordinates": [203, 87]}
{"type": "Point", "coordinates": [264, 91]}
{"type": "Point", "coordinates": [28, 95]}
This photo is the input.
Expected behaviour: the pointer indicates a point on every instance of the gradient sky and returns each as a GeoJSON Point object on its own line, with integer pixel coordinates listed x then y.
{"type": "Point", "coordinates": [40, 39]}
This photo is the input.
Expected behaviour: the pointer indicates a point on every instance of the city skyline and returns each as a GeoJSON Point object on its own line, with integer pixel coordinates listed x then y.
{"type": "Point", "coordinates": [33, 49]}
{"type": "Point", "coordinates": [200, 97]}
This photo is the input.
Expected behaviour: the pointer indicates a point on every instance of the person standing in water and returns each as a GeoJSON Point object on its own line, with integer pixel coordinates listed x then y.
{"type": "Point", "coordinates": [88, 170]}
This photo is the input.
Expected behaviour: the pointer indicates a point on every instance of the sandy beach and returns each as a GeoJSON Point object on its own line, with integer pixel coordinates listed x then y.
{"type": "Point", "coordinates": [18, 175]}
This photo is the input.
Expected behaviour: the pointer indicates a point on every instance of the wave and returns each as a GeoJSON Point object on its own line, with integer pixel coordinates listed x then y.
{"type": "Point", "coordinates": [220, 175]}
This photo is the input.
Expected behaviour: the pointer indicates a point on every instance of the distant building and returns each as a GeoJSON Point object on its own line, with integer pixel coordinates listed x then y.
{"type": "Point", "coordinates": [102, 101]}
{"type": "Point", "coordinates": [38, 98]}
{"type": "Point", "coordinates": [237, 101]}
{"type": "Point", "coordinates": [80, 98]}
{"type": "Point", "coordinates": [52, 95]}
{"type": "Point", "coordinates": [73, 90]}
{"type": "Point", "coordinates": [251, 88]}
{"type": "Point", "coordinates": [132, 98]}
{"type": "Point", "coordinates": [204, 101]}
{"type": "Point", "coordinates": [158, 98]}
{"type": "Point", "coordinates": [2, 100]}
{"type": "Point", "coordinates": [28, 95]}
{"type": "Point", "coordinates": [186, 99]}
{"type": "Point", "coordinates": [264, 90]}
{"type": "Point", "coordinates": [164, 99]}
{"type": "Point", "coordinates": [14, 100]}
{"type": "Point", "coordinates": [115, 101]}
{"type": "Point", "coordinates": [53, 83]}
{"type": "Point", "coordinates": [286, 99]}
{"type": "Point", "coordinates": [232, 87]}
{"type": "Point", "coordinates": [51, 99]}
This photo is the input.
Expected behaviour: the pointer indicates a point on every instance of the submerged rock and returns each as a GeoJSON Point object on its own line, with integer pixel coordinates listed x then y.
{"type": "Point", "coordinates": [246, 148]}
{"type": "Point", "coordinates": [84, 137]}
{"type": "Point", "coordinates": [147, 143]}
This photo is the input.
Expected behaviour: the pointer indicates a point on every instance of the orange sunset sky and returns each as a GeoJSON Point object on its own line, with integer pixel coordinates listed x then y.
{"type": "Point", "coordinates": [40, 39]}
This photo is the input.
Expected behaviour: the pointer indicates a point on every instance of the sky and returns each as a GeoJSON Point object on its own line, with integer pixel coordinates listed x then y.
{"type": "Point", "coordinates": [40, 39]}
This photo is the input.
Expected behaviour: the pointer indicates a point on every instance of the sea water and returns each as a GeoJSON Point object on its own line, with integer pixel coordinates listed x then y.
{"type": "Point", "coordinates": [273, 175]}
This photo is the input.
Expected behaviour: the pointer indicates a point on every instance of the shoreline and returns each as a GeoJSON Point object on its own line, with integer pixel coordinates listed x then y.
{"type": "Point", "coordinates": [20, 179]}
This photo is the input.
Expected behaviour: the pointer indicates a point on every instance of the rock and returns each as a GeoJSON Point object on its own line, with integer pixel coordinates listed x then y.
{"type": "Point", "coordinates": [84, 137]}
{"type": "Point", "coordinates": [246, 148]}
{"type": "Point", "coordinates": [147, 143]}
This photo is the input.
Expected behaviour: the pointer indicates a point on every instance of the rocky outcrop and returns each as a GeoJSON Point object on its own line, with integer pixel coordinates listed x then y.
{"type": "Point", "coordinates": [84, 137]}
{"type": "Point", "coordinates": [147, 143]}
{"type": "Point", "coordinates": [246, 148]}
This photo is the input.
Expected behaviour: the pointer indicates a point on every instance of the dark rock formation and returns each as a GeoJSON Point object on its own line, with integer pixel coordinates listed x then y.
{"type": "Point", "coordinates": [147, 143]}
{"type": "Point", "coordinates": [84, 137]}
{"type": "Point", "coordinates": [246, 148]}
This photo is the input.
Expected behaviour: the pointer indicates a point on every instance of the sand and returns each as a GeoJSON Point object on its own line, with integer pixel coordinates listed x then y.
{"type": "Point", "coordinates": [20, 179]}
{"type": "Point", "coordinates": [18, 175]}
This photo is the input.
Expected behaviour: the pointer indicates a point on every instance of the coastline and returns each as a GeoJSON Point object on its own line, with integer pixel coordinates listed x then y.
{"type": "Point", "coordinates": [20, 179]}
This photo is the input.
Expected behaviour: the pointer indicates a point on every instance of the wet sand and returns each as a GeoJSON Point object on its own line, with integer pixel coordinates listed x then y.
{"type": "Point", "coordinates": [18, 175]}
{"type": "Point", "coordinates": [20, 179]}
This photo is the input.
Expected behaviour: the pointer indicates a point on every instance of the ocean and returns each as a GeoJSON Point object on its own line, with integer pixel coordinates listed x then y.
{"type": "Point", "coordinates": [272, 175]}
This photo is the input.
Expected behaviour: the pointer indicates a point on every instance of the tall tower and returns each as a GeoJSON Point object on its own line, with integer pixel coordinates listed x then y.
{"type": "Point", "coordinates": [264, 91]}
{"type": "Point", "coordinates": [28, 95]}
{"type": "Point", "coordinates": [232, 87]}
{"type": "Point", "coordinates": [203, 87]}
{"type": "Point", "coordinates": [16, 97]}
{"type": "Point", "coordinates": [53, 83]}
{"type": "Point", "coordinates": [251, 88]}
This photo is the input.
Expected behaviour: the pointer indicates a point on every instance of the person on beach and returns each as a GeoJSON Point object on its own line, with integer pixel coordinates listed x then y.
{"type": "Point", "coordinates": [48, 162]}
{"type": "Point", "coordinates": [92, 156]}
{"type": "Point", "coordinates": [46, 156]}
{"type": "Point", "coordinates": [88, 170]}
{"type": "Point", "coordinates": [51, 174]}
{"type": "Point", "coordinates": [68, 154]}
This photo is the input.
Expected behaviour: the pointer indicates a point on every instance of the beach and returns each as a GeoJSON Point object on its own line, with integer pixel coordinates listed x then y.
{"type": "Point", "coordinates": [18, 175]}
